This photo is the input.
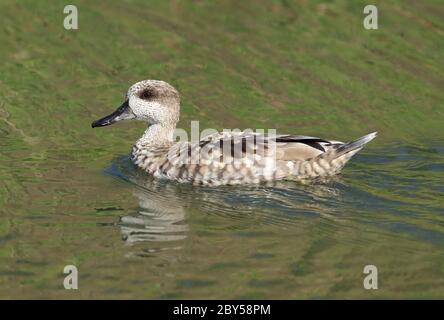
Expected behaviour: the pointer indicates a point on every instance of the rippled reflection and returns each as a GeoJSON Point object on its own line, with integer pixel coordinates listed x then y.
{"type": "Point", "coordinates": [375, 191]}
{"type": "Point", "coordinates": [161, 218]}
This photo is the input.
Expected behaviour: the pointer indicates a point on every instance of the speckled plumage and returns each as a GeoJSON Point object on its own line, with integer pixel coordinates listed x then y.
{"type": "Point", "coordinates": [226, 157]}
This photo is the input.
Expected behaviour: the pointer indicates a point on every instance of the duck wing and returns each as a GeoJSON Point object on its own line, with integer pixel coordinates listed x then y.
{"type": "Point", "coordinates": [247, 157]}
{"type": "Point", "coordinates": [281, 147]}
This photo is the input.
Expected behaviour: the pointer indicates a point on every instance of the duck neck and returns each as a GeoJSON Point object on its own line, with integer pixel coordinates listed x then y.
{"type": "Point", "coordinates": [158, 134]}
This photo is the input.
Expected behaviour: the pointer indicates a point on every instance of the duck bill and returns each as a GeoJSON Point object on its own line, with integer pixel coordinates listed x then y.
{"type": "Point", "coordinates": [122, 113]}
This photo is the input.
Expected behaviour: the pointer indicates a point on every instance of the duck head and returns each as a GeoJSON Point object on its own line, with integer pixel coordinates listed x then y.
{"type": "Point", "coordinates": [152, 101]}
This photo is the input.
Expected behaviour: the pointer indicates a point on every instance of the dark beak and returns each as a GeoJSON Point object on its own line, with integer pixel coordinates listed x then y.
{"type": "Point", "coordinates": [122, 113]}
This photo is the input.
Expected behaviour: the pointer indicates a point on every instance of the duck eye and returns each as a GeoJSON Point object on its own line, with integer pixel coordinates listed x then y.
{"type": "Point", "coordinates": [147, 94]}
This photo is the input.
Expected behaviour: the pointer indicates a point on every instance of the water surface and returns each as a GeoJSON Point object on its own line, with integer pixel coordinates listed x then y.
{"type": "Point", "coordinates": [70, 195]}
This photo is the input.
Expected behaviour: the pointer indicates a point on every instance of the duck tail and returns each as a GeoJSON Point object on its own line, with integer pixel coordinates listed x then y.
{"type": "Point", "coordinates": [332, 161]}
{"type": "Point", "coordinates": [338, 157]}
{"type": "Point", "coordinates": [355, 145]}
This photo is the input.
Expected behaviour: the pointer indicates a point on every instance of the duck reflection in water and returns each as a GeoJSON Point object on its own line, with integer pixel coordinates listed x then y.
{"type": "Point", "coordinates": [161, 219]}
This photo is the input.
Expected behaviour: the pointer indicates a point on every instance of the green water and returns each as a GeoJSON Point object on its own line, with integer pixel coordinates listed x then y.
{"type": "Point", "coordinates": [69, 195]}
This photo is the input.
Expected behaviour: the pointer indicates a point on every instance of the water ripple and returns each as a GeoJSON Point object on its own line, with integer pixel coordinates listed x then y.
{"type": "Point", "coordinates": [379, 189]}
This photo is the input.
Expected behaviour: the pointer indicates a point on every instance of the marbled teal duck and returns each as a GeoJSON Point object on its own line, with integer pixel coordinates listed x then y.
{"type": "Point", "coordinates": [226, 157]}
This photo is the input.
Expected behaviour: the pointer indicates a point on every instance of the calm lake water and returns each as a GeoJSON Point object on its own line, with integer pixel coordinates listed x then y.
{"type": "Point", "coordinates": [70, 195]}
